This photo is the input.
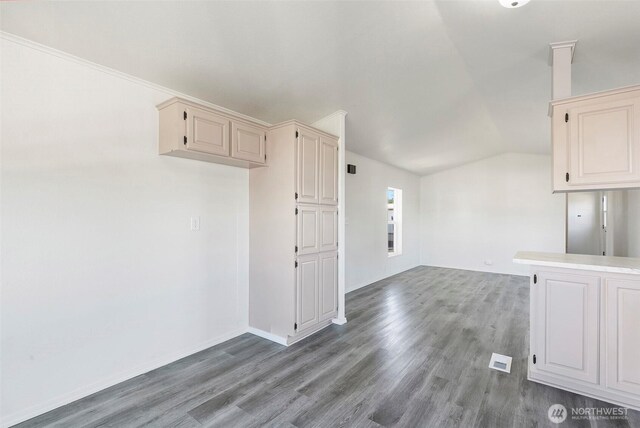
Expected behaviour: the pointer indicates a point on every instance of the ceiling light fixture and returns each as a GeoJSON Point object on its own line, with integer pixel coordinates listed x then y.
{"type": "Point", "coordinates": [512, 4]}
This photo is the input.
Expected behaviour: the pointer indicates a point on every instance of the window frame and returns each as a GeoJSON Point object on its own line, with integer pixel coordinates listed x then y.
{"type": "Point", "coordinates": [396, 206]}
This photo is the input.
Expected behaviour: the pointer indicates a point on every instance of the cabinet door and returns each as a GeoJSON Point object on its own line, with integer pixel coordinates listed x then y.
{"type": "Point", "coordinates": [307, 277]}
{"type": "Point", "coordinates": [308, 149]}
{"type": "Point", "coordinates": [207, 132]}
{"type": "Point", "coordinates": [308, 229]}
{"type": "Point", "coordinates": [604, 142]}
{"type": "Point", "coordinates": [566, 325]}
{"type": "Point", "coordinates": [622, 327]}
{"type": "Point", "coordinates": [328, 298]}
{"type": "Point", "coordinates": [328, 171]}
{"type": "Point", "coordinates": [328, 228]}
{"type": "Point", "coordinates": [247, 142]}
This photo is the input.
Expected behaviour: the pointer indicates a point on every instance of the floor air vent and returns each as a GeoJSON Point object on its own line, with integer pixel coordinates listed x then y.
{"type": "Point", "coordinates": [500, 362]}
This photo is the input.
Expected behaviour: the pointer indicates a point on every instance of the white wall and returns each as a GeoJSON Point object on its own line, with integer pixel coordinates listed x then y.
{"type": "Point", "coordinates": [367, 258]}
{"type": "Point", "coordinates": [487, 211]}
{"type": "Point", "coordinates": [101, 277]}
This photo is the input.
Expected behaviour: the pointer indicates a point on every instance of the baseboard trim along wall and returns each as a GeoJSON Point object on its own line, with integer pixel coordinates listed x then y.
{"type": "Point", "coordinates": [495, 271]}
{"type": "Point", "coordinates": [54, 403]}
{"type": "Point", "coordinates": [269, 336]}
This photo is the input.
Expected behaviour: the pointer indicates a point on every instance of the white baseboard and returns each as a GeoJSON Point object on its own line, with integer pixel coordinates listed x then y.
{"type": "Point", "coordinates": [269, 336]}
{"type": "Point", "coordinates": [360, 285]}
{"type": "Point", "coordinates": [339, 321]}
{"type": "Point", "coordinates": [79, 393]}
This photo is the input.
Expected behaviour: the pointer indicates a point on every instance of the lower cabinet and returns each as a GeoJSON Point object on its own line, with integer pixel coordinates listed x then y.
{"type": "Point", "coordinates": [585, 333]}
{"type": "Point", "coordinates": [316, 289]}
{"type": "Point", "coordinates": [328, 290]}
{"type": "Point", "coordinates": [566, 325]}
{"type": "Point", "coordinates": [623, 335]}
{"type": "Point", "coordinates": [307, 288]}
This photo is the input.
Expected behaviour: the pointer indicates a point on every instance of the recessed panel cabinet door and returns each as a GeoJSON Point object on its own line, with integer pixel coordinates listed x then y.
{"type": "Point", "coordinates": [623, 335]}
{"type": "Point", "coordinates": [328, 171]}
{"type": "Point", "coordinates": [308, 229]}
{"type": "Point", "coordinates": [566, 325]}
{"type": "Point", "coordinates": [307, 152]}
{"type": "Point", "coordinates": [328, 228]}
{"type": "Point", "coordinates": [307, 277]}
{"type": "Point", "coordinates": [207, 132]}
{"type": "Point", "coordinates": [604, 142]}
{"type": "Point", "coordinates": [328, 298]}
{"type": "Point", "coordinates": [247, 142]}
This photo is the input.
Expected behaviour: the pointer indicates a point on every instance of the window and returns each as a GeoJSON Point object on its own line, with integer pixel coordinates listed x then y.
{"type": "Point", "coordinates": [394, 221]}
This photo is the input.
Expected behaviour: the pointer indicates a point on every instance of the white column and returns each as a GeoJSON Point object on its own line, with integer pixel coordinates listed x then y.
{"type": "Point", "coordinates": [561, 57]}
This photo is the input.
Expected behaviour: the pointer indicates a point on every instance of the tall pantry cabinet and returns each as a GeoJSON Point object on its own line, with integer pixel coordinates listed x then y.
{"type": "Point", "coordinates": [293, 250]}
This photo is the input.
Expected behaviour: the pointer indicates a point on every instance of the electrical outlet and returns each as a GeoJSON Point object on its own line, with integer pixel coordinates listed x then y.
{"type": "Point", "coordinates": [195, 223]}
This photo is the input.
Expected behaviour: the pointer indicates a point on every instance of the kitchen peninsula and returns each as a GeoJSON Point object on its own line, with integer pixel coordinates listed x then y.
{"type": "Point", "coordinates": [585, 324]}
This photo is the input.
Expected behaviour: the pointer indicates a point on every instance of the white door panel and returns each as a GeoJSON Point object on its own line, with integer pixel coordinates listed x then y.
{"type": "Point", "coordinates": [567, 325]}
{"type": "Point", "coordinates": [207, 132]}
{"type": "Point", "coordinates": [307, 152]}
{"type": "Point", "coordinates": [247, 142]}
{"type": "Point", "coordinates": [328, 171]}
{"type": "Point", "coordinates": [623, 335]}
{"type": "Point", "coordinates": [308, 232]}
{"type": "Point", "coordinates": [307, 291]}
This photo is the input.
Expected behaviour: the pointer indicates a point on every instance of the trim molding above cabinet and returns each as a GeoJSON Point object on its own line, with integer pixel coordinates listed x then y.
{"type": "Point", "coordinates": [193, 131]}
{"type": "Point", "coordinates": [596, 141]}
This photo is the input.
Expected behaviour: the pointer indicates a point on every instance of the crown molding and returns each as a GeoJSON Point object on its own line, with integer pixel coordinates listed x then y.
{"type": "Point", "coordinates": [104, 69]}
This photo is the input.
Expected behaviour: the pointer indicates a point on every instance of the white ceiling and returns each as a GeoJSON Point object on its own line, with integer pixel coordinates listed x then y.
{"type": "Point", "coordinates": [427, 85]}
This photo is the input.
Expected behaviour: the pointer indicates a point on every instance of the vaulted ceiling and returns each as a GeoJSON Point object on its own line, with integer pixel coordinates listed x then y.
{"type": "Point", "coordinates": [427, 85]}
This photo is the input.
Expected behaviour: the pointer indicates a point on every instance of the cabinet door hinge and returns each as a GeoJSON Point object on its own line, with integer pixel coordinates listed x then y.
{"type": "Point", "coordinates": [296, 195]}
{"type": "Point", "coordinates": [184, 115]}
{"type": "Point", "coordinates": [566, 117]}
{"type": "Point", "coordinates": [535, 279]}
{"type": "Point", "coordinates": [265, 157]}
{"type": "Point", "coordinates": [296, 134]}
{"type": "Point", "coordinates": [296, 211]}
{"type": "Point", "coordinates": [296, 248]}
{"type": "Point", "coordinates": [534, 358]}
{"type": "Point", "coordinates": [296, 265]}
{"type": "Point", "coordinates": [295, 325]}
{"type": "Point", "coordinates": [185, 140]}
{"type": "Point", "coordinates": [566, 177]}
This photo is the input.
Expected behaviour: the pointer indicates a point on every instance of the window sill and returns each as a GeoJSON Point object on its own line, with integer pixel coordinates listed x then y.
{"type": "Point", "coordinates": [394, 254]}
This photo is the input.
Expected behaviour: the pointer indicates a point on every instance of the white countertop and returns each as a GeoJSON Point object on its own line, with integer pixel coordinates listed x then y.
{"type": "Point", "coordinates": [580, 261]}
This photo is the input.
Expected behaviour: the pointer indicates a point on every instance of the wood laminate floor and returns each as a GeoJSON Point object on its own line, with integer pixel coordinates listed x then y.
{"type": "Point", "coordinates": [414, 353]}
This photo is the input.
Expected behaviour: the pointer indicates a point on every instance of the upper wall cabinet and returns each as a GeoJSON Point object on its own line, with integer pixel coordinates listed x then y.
{"type": "Point", "coordinates": [248, 142]}
{"type": "Point", "coordinates": [596, 141]}
{"type": "Point", "coordinates": [206, 132]}
{"type": "Point", "coordinates": [328, 171]}
{"type": "Point", "coordinates": [193, 131]}
{"type": "Point", "coordinates": [308, 174]}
